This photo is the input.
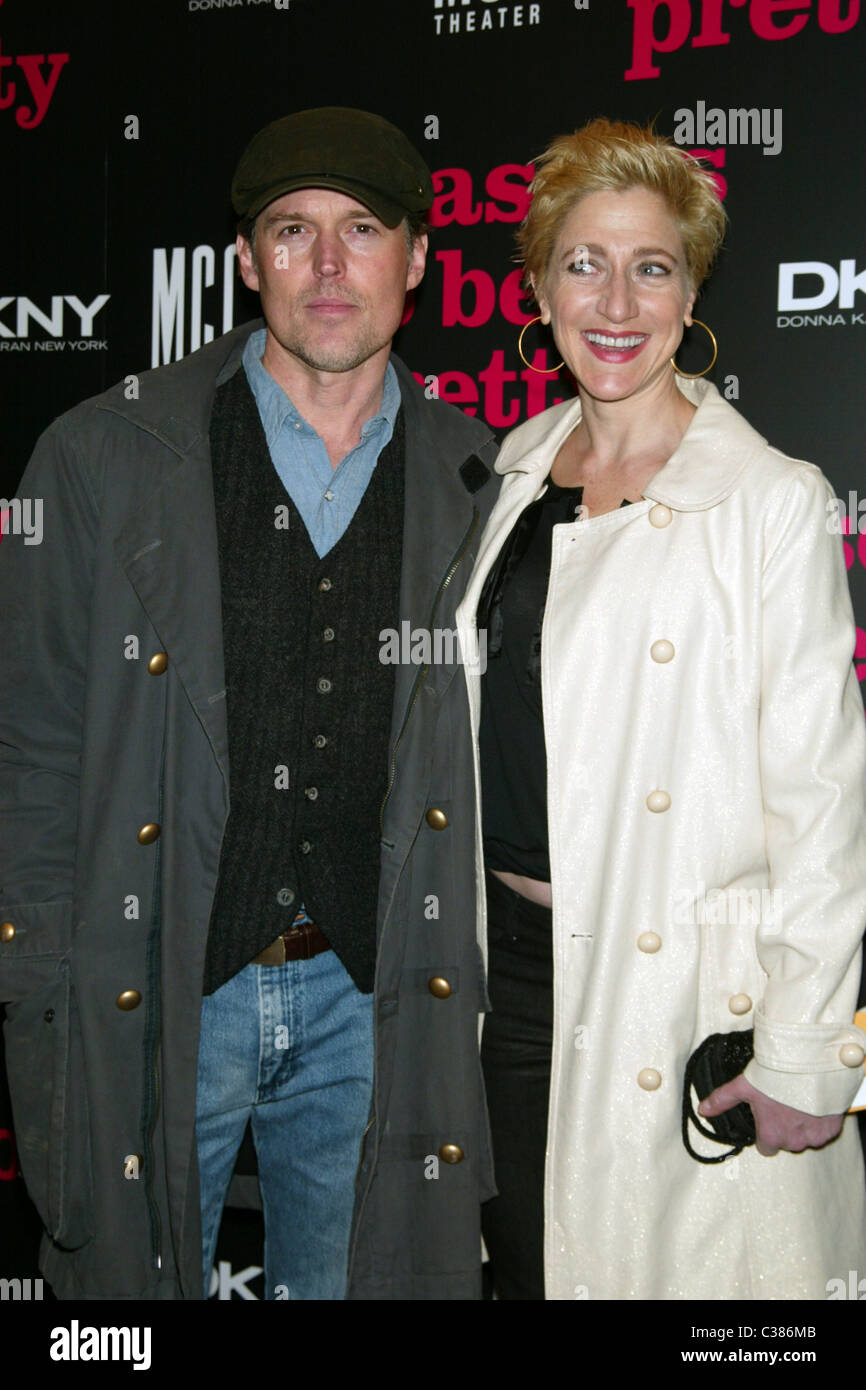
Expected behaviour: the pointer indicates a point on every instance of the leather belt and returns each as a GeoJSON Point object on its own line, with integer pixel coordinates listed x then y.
{"type": "Point", "coordinates": [298, 943]}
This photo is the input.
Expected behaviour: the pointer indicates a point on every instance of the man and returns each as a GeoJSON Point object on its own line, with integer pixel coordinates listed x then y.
{"type": "Point", "coordinates": [221, 792]}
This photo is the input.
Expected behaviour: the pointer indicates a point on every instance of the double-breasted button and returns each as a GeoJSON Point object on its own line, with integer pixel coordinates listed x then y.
{"type": "Point", "coordinates": [328, 634]}
{"type": "Point", "coordinates": [311, 793]}
{"type": "Point", "coordinates": [158, 663]}
{"type": "Point", "coordinates": [851, 1055]}
{"type": "Point", "coordinates": [451, 1153]}
{"type": "Point", "coordinates": [436, 819]}
{"type": "Point", "coordinates": [660, 515]}
{"type": "Point", "coordinates": [739, 1003]}
{"type": "Point", "coordinates": [148, 833]}
{"type": "Point", "coordinates": [439, 986]}
{"type": "Point", "coordinates": [662, 650]}
{"type": "Point", "coordinates": [649, 1079]}
{"type": "Point", "coordinates": [128, 999]}
{"type": "Point", "coordinates": [323, 685]}
{"type": "Point", "coordinates": [650, 942]}
{"type": "Point", "coordinates": [7, 931]}
{"type": "Point", "coordinates": [658, 801]}
{"type": "Point", "coordinates": [319, 741]}
{"type": "Point", "coordinates": [325, 585]}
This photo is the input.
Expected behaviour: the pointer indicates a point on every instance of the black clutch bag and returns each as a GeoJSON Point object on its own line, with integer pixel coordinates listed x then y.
{"type": "Point", "coordinates": [720, 1058]}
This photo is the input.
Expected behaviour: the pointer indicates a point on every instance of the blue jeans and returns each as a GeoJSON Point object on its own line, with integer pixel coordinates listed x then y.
{"type": "Point", "coordinates": [290, 1048]}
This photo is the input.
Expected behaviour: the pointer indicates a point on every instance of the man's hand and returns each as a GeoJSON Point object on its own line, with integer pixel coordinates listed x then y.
{"type": "Point", "coordinates": [777, 1126]}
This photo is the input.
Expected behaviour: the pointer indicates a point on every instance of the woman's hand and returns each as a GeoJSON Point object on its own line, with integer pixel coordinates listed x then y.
{"type": "Point", "coordinates": [777, 1126]}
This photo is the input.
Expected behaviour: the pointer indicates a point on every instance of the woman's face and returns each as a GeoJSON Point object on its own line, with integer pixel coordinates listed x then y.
{"type": "Point", "coordinates": [617, 294]}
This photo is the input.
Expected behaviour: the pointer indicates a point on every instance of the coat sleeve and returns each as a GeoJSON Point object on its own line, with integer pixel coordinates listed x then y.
{"type": "Point", "coordinates": [44, 602]}
{"type": "Point", "coordinates": [813, 771]}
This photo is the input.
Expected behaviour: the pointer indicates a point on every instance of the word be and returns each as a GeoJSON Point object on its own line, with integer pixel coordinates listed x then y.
{"type": "Point", "coordinates": [770, 19]}
{"type": "Point", "coordinates": [737, 126]}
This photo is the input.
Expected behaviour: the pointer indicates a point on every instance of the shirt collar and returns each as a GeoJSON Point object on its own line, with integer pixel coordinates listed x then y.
{"type": "Point", "coordinates": [276, 408]}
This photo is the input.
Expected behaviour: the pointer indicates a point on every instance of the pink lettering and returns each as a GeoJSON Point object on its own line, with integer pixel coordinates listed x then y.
{"type": "Point", "coordinates": [453, 281]}
{"type": "Point", "coordinates": [830, 20]}
{"type": "Point", "coordinates": [761, 18]}
{"type": "Point", "coordinates": [645, 43]}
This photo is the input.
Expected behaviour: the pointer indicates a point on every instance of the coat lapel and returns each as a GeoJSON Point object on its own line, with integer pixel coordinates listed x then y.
{"type": "Point", "coordinates": [169, 553]}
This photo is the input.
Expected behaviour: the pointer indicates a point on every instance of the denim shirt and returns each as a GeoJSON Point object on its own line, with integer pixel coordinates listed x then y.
{"type": "Point", "coordinates": [326, 498]}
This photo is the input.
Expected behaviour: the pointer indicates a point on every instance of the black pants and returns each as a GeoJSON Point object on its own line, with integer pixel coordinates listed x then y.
{"type": "Point", "coordinates": [515, 1058]}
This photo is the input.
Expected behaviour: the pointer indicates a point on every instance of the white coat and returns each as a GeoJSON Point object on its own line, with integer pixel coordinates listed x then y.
{"type": "Point", "coordinates": [705, 739]}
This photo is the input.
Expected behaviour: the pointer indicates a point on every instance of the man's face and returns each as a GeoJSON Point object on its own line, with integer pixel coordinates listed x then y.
{"type": "Point", "coordinates": [331, 276]}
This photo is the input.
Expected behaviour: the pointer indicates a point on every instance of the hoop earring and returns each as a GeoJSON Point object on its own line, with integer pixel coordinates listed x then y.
{"type": "Point", "coordinates": [691, 375]}
{"type": "Point", "coordinates": [542, 371]}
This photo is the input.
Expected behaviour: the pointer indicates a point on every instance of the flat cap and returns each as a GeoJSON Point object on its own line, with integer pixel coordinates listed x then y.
{"type": "Point", "coordinates": [354, 152]}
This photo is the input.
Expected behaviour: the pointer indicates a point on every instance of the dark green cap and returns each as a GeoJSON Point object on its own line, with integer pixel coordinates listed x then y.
{"type": "Point", "coordinates": [335, 147]}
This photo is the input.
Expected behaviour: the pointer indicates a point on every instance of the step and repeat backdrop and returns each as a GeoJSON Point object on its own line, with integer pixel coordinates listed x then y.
{"type": "Point", "coordinates": [120, 126]}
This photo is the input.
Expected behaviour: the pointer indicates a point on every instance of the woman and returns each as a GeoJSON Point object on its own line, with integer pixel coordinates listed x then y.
{"type": "Point", "coordinates": [672, 785]}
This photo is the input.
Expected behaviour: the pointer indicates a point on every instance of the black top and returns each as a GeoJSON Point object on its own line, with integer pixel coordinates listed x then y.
{"type": "Point", "coordinates": [512, 749]}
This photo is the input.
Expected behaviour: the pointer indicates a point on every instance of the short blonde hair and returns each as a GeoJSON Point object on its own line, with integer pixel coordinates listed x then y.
{"type": "Point", "coordinates": [611, 156]}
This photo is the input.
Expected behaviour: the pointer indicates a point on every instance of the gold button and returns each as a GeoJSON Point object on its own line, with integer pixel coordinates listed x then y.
{"type": "Point", "coordinates": [660, 515]}
{"type": "Point", "coordinates": [662, 650]}
{"type": "Point", "coordinates": [851, 1054]}
{"type": "Point", "coordinates": [437, 820]}
{"type": "Point", "coordinates": [451, 1153]}
{"type": "Point", "coordinates": [739, 1003]}
{"type": "Point", "coordinates": [129, 999]}
{"type": "Point", "coordinates": [439, 987]}
{"type": "Point", "coordinates": [157, 664]}
{"type": "Point", "coordinates": [649, 941]}
{"type": "Point", "coordinates": [7, 931]}
{"type": "Point", "coordinates": [658, 801]}
{"type": "Point", "coordinates": [649, 1079]}
{"type": "Point", "coordinates": [147, 834]}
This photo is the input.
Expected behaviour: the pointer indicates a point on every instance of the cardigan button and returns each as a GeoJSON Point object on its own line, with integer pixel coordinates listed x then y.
{"type": "Point", "coordinates": [649, 1079]}
{"type": "Point", "coordinates": [325, 585]}
{"type": "Point", "coordinates": [328, 634]}
{"type": "Point", "coordinates": [7, 931]}
{"type": "Point", "coordinates": [658, 801]}
{"type": "Point", "coordinates": [436, 819]}
{"type": "Point", "coordinates": [739, 1003]}
{"type": "Point", "coordinates": [650, 942]}
{"type": "Point", "coordinates": [451, 1153]}
{"type": "Point", "coordinates": [662, 651]}
{"type": "Point", "coordinates": [158, 663]}
{"type": "Point", "coordinates": [323, 685]}
{"type": "Point", "coordinates": [305, 847]}
{"type": "Point", "coordinates": [128, 999]}
{"type": "Point", "coordinates": [439, 987]}
{"type": "Point", "coordinates": [319, 741]}
{"type": "Point", "coordinates": [660, 515]}
{"type": "Point", "coordinates": [851, 1055]}
{"type": "Point", "coordinates": [148, 833]}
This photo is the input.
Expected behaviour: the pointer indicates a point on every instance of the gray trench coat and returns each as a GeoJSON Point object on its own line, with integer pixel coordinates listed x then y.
{"type": "Point", "coordinates": [102, 951]}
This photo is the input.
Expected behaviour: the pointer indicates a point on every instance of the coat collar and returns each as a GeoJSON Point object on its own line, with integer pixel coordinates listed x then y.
{"type": "Point", "coordinates": [703, 470]}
